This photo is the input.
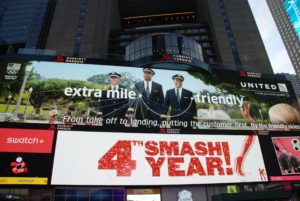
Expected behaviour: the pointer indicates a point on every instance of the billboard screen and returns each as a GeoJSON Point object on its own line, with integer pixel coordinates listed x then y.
{"type": "Point", "coordinates": [292, 7]}
{"type": "Point", "coordinates": [25, 156]}
{"type": "Point", "coordinates": [283, 153]}
{"type": "Point", "coordinates": [102, 158]}
{"type": "Point", "coordinates": [148, 194]}
{"type": "Point", "coordinates": [72, 94]}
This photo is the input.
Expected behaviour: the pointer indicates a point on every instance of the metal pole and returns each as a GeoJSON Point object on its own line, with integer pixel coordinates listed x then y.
{"type": "Point", "coordinates": [30, 91]}
{"type": "Point", "coordinates": [7, 103]}
{"type": "Point", "coordinates": [27, 73]}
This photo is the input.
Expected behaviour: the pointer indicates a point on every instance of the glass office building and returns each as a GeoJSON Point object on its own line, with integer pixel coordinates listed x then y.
{"type": "Point", "coordinates": [21, 24]}
{"type": "Point", "coordinates": [102, 29]}
{"type": "Point", "coordinates": [287, 31]}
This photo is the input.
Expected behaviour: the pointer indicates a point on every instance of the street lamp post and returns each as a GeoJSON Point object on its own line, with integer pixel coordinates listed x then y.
{"type": "Point", "coordinates": [27, 73]}
{"type": "Point", "coordinates": [30, 91]}
{"type": "Point", "coordinates": [7, 103]}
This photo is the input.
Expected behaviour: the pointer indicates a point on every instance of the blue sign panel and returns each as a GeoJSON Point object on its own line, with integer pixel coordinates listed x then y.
{"type": "Point", "coordinates": [293, 9]}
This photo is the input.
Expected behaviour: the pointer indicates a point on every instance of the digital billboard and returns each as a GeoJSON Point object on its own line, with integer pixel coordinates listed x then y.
{"type": "Point", "coordinates": [283, 153]}
{"type": "Point", "coordinates": [102, 158]}
{"type": "Point", "coordinates": [292, 7]}
{"type": "Point", "coordinates": [25, 156]}
{"type": "Point", "coordinates": [123, 97]}
{"type": "Point", "coordinates": [148, 194]}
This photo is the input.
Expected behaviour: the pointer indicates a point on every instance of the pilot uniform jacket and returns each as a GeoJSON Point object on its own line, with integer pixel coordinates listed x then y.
{"type": "Point", "coordinates": [179, 107]}
{"type": "Point", "coordinates": [113, 107]}
{"type": "Point", "coordinates": [155, 102]}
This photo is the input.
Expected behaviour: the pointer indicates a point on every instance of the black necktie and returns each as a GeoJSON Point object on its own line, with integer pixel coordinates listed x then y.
{"type": "Point", "coordinates": [178, 96]}
{"type": "Point", "coordinates": [148, 90]}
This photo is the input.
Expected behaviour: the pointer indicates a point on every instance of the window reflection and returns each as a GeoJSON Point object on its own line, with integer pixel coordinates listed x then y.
{"type": "Point", "coordinates": [157, 44]}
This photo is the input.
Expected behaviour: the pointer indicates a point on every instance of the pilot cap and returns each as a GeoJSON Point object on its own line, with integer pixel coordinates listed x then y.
{"type": "Point", "coordinates": [149, 70]}
{"type": "Point", "coordinates": [114, 74]}
{"type": "Point", "coordinates": [178, 76]}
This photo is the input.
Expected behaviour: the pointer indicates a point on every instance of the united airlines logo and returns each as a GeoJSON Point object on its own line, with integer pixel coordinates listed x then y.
{"type": "Point", "coordinates": [265, 86]}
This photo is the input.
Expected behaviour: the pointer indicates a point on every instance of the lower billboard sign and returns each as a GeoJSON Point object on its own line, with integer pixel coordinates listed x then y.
{"type": "Point", "coordinates": [144, 159]}
{"type": "Point", "coordinates": [26, 156]}
{"type": "Point", "coordinates": [284, 154]}
{"type": "Point", "coordinates": [25, 168]}
{"type": "Point", "coordinates": [26, 140]}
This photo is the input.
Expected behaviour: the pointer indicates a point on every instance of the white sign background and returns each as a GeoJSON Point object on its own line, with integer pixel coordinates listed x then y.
{"type": "Point", "coordinates": [77, 154]}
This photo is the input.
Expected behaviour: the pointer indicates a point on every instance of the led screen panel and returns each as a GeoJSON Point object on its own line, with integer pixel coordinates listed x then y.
{"type": "Point", "coordinates": [101, 158]}
{"type": "Point", "coordinates": [283, 154]}
{"type": "Point", "coordinates": [72, 94]}
{"type": "Point", "coordinates": [26, 156]}
{"type": "Point", "coordinates": [292, 7]}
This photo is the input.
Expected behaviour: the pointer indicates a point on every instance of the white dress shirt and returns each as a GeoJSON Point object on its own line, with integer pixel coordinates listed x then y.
{"type": "Point", "coordinates": [114, 88]}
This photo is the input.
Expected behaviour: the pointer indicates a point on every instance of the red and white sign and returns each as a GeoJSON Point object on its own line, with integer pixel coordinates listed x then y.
{"type": "Point", "coordinates": [26, 140]}
{"type": "Point", "coordinates": [94, 158]}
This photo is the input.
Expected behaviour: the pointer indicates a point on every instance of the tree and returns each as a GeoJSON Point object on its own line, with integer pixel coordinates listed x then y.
{"type": "Point", "coordinates": [12, 87]}
{"type": "Point", "coordinates": [52, 90]}
{"type": "Point", "coordinates": [127, 80]}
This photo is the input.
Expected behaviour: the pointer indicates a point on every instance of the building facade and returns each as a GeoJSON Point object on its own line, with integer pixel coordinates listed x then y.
{"type": "Point", "coordinates": [295, 81]}
{"type": "Point", "coordinates": [287, 31]}
{"type": "Point", "coordinates": [24, 24]}
{"type": "Point", "coordinates": [82, 27]}
{"type": "Point", "coordinates": [83, 160]}
{"type": "Point", "coordinates": [225, 29]}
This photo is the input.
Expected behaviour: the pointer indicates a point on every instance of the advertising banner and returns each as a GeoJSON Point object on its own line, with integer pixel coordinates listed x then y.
{"type": "Point", "coordinates": [283, 153]}
{"type": "Point", "coordinates": [25, 156]}
{"type": "Point", "coordinates": [24, 168]}
{"type": "Point", "coordinates": [292, 7]}
{"type": "Point", "coordinates": [147, 194]}
{"type": "Point", "coordinates": [140, 159]}
{"type": "Point", "coordinates": [170, 101]}
{"type": "Point", "coordinates": [26, 141]}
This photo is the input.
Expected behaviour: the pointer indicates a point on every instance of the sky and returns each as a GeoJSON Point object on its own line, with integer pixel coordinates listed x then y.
{"type": "Point", "coordinates": [278, 56]}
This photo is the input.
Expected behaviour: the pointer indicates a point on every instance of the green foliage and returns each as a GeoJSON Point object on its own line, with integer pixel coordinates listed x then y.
{"type": "Point", "coordinates": [207, 106]}
{"type": "Point", "coordinates": [202, 105]}
{"type": "Point", "coordinates": [127, 80]}
{"type": "Point", "coordinates": [81, 106]}
{"type": "Point", "coordinates": [30, 109]}
{"type": "Point", "coordinates": [52, 91]}
{"type": "Point", "coordinates": [12, 87]}
{"type": "Point", "coordinates": [234, 113]}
